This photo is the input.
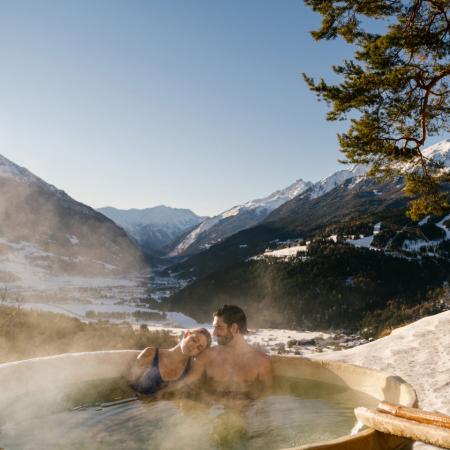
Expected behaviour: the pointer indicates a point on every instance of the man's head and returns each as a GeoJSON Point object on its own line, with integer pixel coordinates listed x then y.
{"type": "Point", "coordinates": [229, 321]}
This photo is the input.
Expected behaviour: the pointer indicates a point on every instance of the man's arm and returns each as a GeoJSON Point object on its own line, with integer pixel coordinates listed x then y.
{"type": "Point", "coordinates": [198, 369]}
{"type": "Point", "coordinates": [265, 374]}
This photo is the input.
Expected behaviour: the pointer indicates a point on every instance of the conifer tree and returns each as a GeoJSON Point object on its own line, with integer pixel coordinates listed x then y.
{"type": "Point", "coordinates": [395, 90]}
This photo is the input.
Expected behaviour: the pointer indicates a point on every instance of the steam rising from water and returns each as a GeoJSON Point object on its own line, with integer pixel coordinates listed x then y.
{"type": "Point", "coordinates": [43, 232]}
{"type": "Point", "coordinates": [308, 413]}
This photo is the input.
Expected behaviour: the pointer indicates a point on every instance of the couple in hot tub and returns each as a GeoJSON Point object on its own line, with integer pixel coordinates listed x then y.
{"type": "Point", "coordinates": [231, 366]}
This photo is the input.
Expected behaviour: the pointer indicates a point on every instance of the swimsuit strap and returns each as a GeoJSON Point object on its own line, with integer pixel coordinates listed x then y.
{"type": "Point", "coordinates": [156, 358]}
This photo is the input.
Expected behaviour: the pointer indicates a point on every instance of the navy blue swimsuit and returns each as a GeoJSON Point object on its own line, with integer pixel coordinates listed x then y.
{"type": "Point", "coordinates": [150, 381]}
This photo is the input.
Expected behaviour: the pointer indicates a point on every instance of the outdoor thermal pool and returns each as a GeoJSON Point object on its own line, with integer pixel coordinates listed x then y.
{"type": "Point", "coordinates": [81, 401]}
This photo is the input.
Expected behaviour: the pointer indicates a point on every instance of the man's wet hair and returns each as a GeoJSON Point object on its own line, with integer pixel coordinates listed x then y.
{"type": "Point", "coordinates": [233, 314]}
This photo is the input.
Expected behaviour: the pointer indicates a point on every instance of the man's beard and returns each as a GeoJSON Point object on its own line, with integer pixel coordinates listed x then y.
{"type": "Point", "coordinates": [224, 340]}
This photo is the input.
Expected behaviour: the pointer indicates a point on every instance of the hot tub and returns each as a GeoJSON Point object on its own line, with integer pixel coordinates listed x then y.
{"type": "Point", "coordinates": [23, 378]}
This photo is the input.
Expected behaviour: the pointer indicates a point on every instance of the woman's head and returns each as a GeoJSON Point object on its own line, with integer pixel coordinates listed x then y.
{"type": "Point", "coordinates": [195, 341]}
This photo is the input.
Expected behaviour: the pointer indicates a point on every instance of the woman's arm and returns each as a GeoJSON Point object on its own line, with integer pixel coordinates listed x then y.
{"type": "Point", "coordinates": [195, 374]}
{"type": "Point", "coordinates": [140, 363]}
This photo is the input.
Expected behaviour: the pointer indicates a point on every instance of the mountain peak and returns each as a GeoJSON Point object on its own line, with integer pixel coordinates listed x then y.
{"type": "Point", "coordinates": [10, 169]}
{"type": "Point", "coordinates": [439, 152]}
{"type": "Point", "coordinates": [281, 196]}
{"type": "Point", "coordinates": [155, 227]}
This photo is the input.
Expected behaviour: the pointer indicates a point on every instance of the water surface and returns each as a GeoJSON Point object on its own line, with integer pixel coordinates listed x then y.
{"type": "Point", "coordinates": [105, 415]}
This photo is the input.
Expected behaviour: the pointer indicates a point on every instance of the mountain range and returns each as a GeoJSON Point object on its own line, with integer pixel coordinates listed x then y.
{"type": "Point", "coordinates": [334, 255]}
{"type": "Point", "coordinates": [347, 199]}
{"type": "Point", "coordinates": [344, 237]}
{"type": "Point", "coordinates": [43, 231]}
{"type": "Point", "coordinates": [155, 228]}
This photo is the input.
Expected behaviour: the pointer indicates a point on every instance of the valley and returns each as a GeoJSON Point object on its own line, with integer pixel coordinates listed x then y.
{"type": "Point", "coordinates": [335, 256]}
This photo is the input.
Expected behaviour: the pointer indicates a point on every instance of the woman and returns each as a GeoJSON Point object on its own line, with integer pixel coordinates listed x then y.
{"type": "Point", "coordinates": [155, 368]}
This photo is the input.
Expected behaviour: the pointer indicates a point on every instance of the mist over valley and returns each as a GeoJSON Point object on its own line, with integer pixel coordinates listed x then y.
{"type": "Point", "coordinates": [332, 255]}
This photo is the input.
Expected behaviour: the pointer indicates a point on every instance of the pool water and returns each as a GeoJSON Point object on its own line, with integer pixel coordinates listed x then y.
{"type": "Point", "coordinates": [107, 415]}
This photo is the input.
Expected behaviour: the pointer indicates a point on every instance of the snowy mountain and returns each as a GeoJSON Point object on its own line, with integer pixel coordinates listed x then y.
{"type": "Point", "coordinates": [217, 228]}
{"type": "Point", "coordinates": [345, 201]}
{"type": "Point", "coordinates": [336, 179]}
{"type": "Point", "coordinates": [43, 231]}
{"type": "Point", "coordinates": [439, 152]}
{"type": "Point", "coordinates": [153, 228]}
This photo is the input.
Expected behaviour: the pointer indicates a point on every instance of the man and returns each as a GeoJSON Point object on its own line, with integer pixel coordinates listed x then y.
{"type": "Point", "coordinates": [233, 365]}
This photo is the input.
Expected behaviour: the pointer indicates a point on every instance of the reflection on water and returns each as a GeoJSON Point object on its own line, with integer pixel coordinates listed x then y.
{"type": "Point", "coordinates": [106, 415]}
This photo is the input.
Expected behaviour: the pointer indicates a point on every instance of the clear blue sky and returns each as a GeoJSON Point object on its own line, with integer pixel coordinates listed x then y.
{"type": "Point", "coordinates": [192, 103]}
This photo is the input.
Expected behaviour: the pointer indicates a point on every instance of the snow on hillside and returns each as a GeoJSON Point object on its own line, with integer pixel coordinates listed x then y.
{"type": "Point", "coordinates": [441, 225]}
{"type": "Point", "coordinates": [153, 228]}
{"type": "Point", "coordinates": [264, 206]}
{"type": "Point", "coordinates": [159, 216]}
{"type": "Point", "coordinates": [193, 235]}
{"type": "Point", "coordinates": [277, 198]}
{"type": "Point", "coordinates": [9, 169]}
{"type": "Point", "coordinates": [336, 179]}
{"type": "Point", "coordinates": [27, 265]}
{"type": "Point", "coordinates": [283, 253]}
{"type": "Point", "coordinates": [419, 353]}
{"type": "Point", "coordinates": [439, 152]}
{"type": "Point", "coordinates": [20, 174]}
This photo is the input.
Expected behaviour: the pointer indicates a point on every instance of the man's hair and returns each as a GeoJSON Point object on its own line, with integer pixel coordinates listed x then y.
{"type": "Point", "coordinates": [233, 314]}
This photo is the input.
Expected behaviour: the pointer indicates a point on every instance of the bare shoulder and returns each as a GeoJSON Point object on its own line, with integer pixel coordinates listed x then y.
{"type": "Point", "coordinates": [259, 354]}
{"type": "Point", "coordinates": [148, 352]}
{"type": "Point", "coordinates": [264, 365]}
{"type": "Point", "coordinates": [261, 359]}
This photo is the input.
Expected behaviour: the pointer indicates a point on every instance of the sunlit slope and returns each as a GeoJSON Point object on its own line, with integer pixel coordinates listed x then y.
{"type": "Point", "coordinates": [350, 206]}
{"type": "Point", "coordinates": [44, 230]}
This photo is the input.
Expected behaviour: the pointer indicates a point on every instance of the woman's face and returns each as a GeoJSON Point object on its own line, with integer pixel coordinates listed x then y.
{"type": "Point", "coordinates": [193, 343]}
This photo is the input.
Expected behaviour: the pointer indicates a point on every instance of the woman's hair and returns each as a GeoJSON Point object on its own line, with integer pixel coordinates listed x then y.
{"type": "Point", "coordinates": [205, 333]}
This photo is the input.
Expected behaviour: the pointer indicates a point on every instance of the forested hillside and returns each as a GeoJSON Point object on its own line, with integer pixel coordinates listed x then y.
{"type": "Point", "coordinates": [332, 286]}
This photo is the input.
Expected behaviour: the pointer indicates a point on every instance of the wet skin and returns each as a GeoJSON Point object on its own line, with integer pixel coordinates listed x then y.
{"type": "Point", "coordinates": [232, 366]}
{"type": "Point", "coordinates": [172, 362]}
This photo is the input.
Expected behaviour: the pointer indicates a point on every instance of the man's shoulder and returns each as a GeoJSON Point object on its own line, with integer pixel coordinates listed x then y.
{"type": "Point", "coordinates": [264, 358]}
{"type": "Point", "coordinates": [257, 352]}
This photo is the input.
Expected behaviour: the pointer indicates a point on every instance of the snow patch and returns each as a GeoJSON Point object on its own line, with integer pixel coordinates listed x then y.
{"type": "Point", "coordinates": [418, 353]}
{"type": "Point", "coordinates": [287, 252]}
{"type": "Point", "coordinates": [73, 240]}
{"type": "Point", "coordinates": [362, 242]}
{"type": "Point", "coordinates": [424, 221]}
{"type": "Point", "coordinates": [441, 225]}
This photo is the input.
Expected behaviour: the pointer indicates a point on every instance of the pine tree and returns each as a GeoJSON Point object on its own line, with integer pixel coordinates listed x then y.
{"type": "Point", "coordinates": [396, 88]}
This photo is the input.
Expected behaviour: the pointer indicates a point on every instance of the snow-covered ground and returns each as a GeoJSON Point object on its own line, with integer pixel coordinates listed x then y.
{"type": "Point", "coordinates": [173, 321]}
{"type": "Point", "coordinates": [285, 253]}
{"type": "Point", "coordinates": [26, 265]}
{"type": "Point", "coordinates": [419, 353]}
{"type": "Point", "coordinates": [76, 296]}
